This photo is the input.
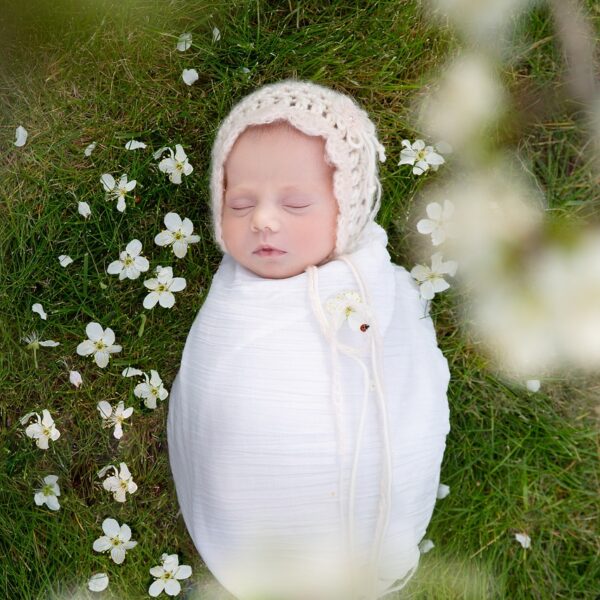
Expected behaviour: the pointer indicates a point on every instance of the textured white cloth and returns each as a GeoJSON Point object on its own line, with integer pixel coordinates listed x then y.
{"type": "Point", "coordinates": [351, 145]}
{"type": "Point", "coordinates": [262, 445]}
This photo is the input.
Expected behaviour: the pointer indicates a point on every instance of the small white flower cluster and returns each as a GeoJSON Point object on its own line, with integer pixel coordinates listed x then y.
{"type": "Point", "coordinates": [423, 157]}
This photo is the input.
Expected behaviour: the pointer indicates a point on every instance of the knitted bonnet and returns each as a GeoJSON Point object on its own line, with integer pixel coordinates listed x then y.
{"type": "Point", "coordinates": [351, 145]}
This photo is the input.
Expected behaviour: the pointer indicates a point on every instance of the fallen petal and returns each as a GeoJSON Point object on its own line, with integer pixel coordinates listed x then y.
{"type": "Point", "coordinates": [37, 308]}
{"type": "Point", "coordinates": [21, 135]}
{"type": "Point", "coordinates": [189, 76]}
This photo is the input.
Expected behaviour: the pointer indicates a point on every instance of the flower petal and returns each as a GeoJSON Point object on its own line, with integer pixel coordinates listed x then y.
{"type": "Point", "coordinates": [98, 582]}
{"type": "Point", "coordinates": [21, 136]}
{"type": "Point", "coordinates": [39, 309]}
{"type": "Point", "coordinates": [94, 331]}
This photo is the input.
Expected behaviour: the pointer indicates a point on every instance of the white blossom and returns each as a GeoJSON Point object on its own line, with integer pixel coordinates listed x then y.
{"type": "Point", "coordinates": [348, 306]}
{"type": "Point", "coordinates": [120, 483]}
{"type": "Point", "coordinates": [216, 34]}
{"type": "Point", "coordinates": [117, 191]}
{"type": "Point", "coordinates": [21, 136]}
{"type": "Point", "coordinates": [39, 309]}
{"type": "Point", "coordinates": [134, 145]}
{"type": "Point", "coordinates": [65, 260]}
{"type": "Point", "coordinates": [189, 76]}
{"type": "Point", "coordinates": [438, 224]}
{"type": "Point", "coordinates": [431, 279]}
{"type": "Point", "coordinates": [33, 343]}
{"type": "Point", "coordinates": [419, 155]}
{"type": "Point", "coordinates": [162, 288]}
{"type": "Point", "coordinates": [151, 390]}
{"type": "Point", "coordinates": [48, 493]}
{"type": "Point", "coordinates": [523, 539]}
{"type": "Point", "coordinates": [175, 165]}
{"type": "Point", "coordinates": [43, 430]}
{"type": "Point", "coordinates": [100, 343]}
{"type": "Point", "coordinates": [533, 385]}
{"type": "Point", "coordinates": [178, 234]}
{"type": "Point", "coordinates": [89, 149]}
{"type": "Point", "coordinates": [130, 263]}
{"type": "Point", "coordinates": [184, 42]}
{"type": "Point", "coordinates": [114, 416]}
{"type": "Point", "coordinates": [75, 378]}
{"type": "Point", "coordinates": [84, 209]}
{"type": "Point", "coordinates": [98, 582]}
{"type": "Point", "coordinates": [167, 576]}
{"type": "Point", "coordinates": [117, 539]}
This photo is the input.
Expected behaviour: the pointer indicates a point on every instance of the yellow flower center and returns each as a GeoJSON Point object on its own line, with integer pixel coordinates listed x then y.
{"type": "Point", "coordinates": [100, 345]}
{"type": "Point", "coordinates": [178, 235]}
{"type": "Point", "coordinates": [161, 287]}
{"type": "Point", "coordinates": [128, 261]}
{"type": "Point", "coordinates": [421, 154]}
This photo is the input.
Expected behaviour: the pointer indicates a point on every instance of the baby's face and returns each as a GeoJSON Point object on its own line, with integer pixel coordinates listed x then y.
{"type": "Point", "coordinates": [279, 192]}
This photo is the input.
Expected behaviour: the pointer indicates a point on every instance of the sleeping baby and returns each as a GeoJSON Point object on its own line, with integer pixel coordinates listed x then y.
{"type": "Point", "coordinates": [308, 419]}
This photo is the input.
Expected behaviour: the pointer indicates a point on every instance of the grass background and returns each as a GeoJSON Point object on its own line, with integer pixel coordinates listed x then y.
{"type": "Point", "coordinates": [107, 71]}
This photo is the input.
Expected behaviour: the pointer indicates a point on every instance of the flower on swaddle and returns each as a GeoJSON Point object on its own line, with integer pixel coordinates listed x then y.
{"type": "Point", "coordinates": [348, 306]}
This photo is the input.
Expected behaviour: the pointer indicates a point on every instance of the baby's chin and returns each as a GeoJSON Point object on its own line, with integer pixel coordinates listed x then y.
{"type": "Point", "coordinates": [278, 268]}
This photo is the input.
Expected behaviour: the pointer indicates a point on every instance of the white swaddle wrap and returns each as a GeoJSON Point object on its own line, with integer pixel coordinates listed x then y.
{"type": "Point", "coordinates": [264, 419]}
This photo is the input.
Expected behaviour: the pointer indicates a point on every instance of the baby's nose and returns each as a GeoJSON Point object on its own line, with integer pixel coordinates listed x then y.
{"type": "Point", "coordinates": [265, 217]}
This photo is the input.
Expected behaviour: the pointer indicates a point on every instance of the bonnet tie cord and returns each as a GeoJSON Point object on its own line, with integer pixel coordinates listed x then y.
{"type": "Point", "coordinates": [330, 335]}
{"type": "Point", "coordinates": [385, 495]}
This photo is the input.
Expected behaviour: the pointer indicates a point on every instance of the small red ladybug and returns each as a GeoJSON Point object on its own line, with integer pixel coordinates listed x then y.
{"type": "Point", "coordinates": [364, 327]}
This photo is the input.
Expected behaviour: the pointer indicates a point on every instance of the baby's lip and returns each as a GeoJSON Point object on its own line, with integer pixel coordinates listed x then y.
{"type": "Point", "coordinates": [267, 247]}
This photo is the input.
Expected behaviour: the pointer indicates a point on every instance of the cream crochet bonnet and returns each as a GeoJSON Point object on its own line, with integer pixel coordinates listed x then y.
{"type": "Point", "coordinates": [351, 145]}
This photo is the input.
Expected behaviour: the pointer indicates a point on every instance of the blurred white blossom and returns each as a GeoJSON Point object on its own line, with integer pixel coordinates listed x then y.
{"type": "Point", "coordinates": [438, 224]}
{"type": "Point", "coordinates": [151, 390]}
{"type": "Point", "coordinates": [162, 288]}
{"type": "Point", "coordinates": [39, 309]}
{"type": "Point", "coordinates": [21, 136]}
{"type": "Point", "coordinates": [425, 546]}
{"type": "Point", "coordinates": [117, 191]}
{"type": "Point", "coordinates": [184, 42]}
{"type": "Point", "coordinates": [216, 34]}
{"type": "Point", "coordinates": [114, 416]}
{"type": "Point", "coordinates": [42, 430]}
{"type": "Point", "coordinates": [178, 234]}
{"type": "Point", "coordinates": [533, 385]}
{"type": "Point", "coordinates": [49, 493]}
{"type": "Point", "coordinates": [523, 539]}
{"type": "Point", "coordinates": [89, 149]}
{"type": "Point", "coordinates": [117, 539]}
{"type": "Point", "coordinates": [75, 378]}
{"type": "Point", "coordinates": [130, 263]}
{"type": "Point", "coordinates": [167, 576]}
{"type": "Point", "coordinates": [100, 343]}
{"type": "Point", "coordinates": [431, 279]}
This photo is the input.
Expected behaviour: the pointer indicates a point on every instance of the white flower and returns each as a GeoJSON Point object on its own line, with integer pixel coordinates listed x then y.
{"type": "Point", "coordinates": [175, 165]}
{"type": "Point", "coordinates": [431, 280]}
{"type": "Point", "coordinates": [151, 390]}
{"type": "Point", "coordinates": [100, 344]}
{"type": "Point", "coordinates": [178, 233]}
{"type": "Point", "coordinates": [130, 263]}
{"type": "Point", "coordinates": [131, 372]}
{"type": "Point", "coordinates": [189, 76]}
{"type": "Point", "coordinates": [348, 306]}
{"type": "Point", "coordinates": [438, 223]}
{"type": "Point", "coordinates": [420, 156]}
{"type": "Point", "coordinates": [425, 546]}
{"type": "Point", "coordinates": [163, 287]}
{"type": "Point", "coordinates": [98, 582]}
{"type": "Point", "coordinates": [75, 378]}
{"type": "Point", "coordinates": [48, 494]}
{"type": "Point", "coordinates": [21, 135]}
{"type": "Point", "coordinates": [43, 430]}
{"type": "Point", "coordinates": [134, 145]}
{"type": "Point", "coordinates": [443, 491]}
{"type": "Point", "coordinates": [39, 309]}
{"type": "Point", "coordinates": [120, 483]}
{"type": "Point", "coordinates": [184, 42]}
{"type": "Point", "coordinates": [65, 260]}
{"type": "Point", "coordinates": [89, 149]}
{"type": "Point", "coordinates": [117, 540]}
{"type": "Point", "coordinates": [33, 343]}
{"type": "Point", "coordinates": [167, 576]}
{"type": "Point", "coordinates": [114, 416]}
{"type": "Point", "coordinates": [84, 209]}
{"type": "Point", "coordinates": [523, 539]}
{"type": "Point", "coordinates": [216, 34]}
{"type": "Point", "coordinates": [533, 385]}
{"type": "Point", "coordinates": [117, 191]}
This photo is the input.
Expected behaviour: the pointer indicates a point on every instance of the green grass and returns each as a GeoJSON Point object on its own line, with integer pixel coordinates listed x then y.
{"type": "Point", "coordinates": [107, 71]}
